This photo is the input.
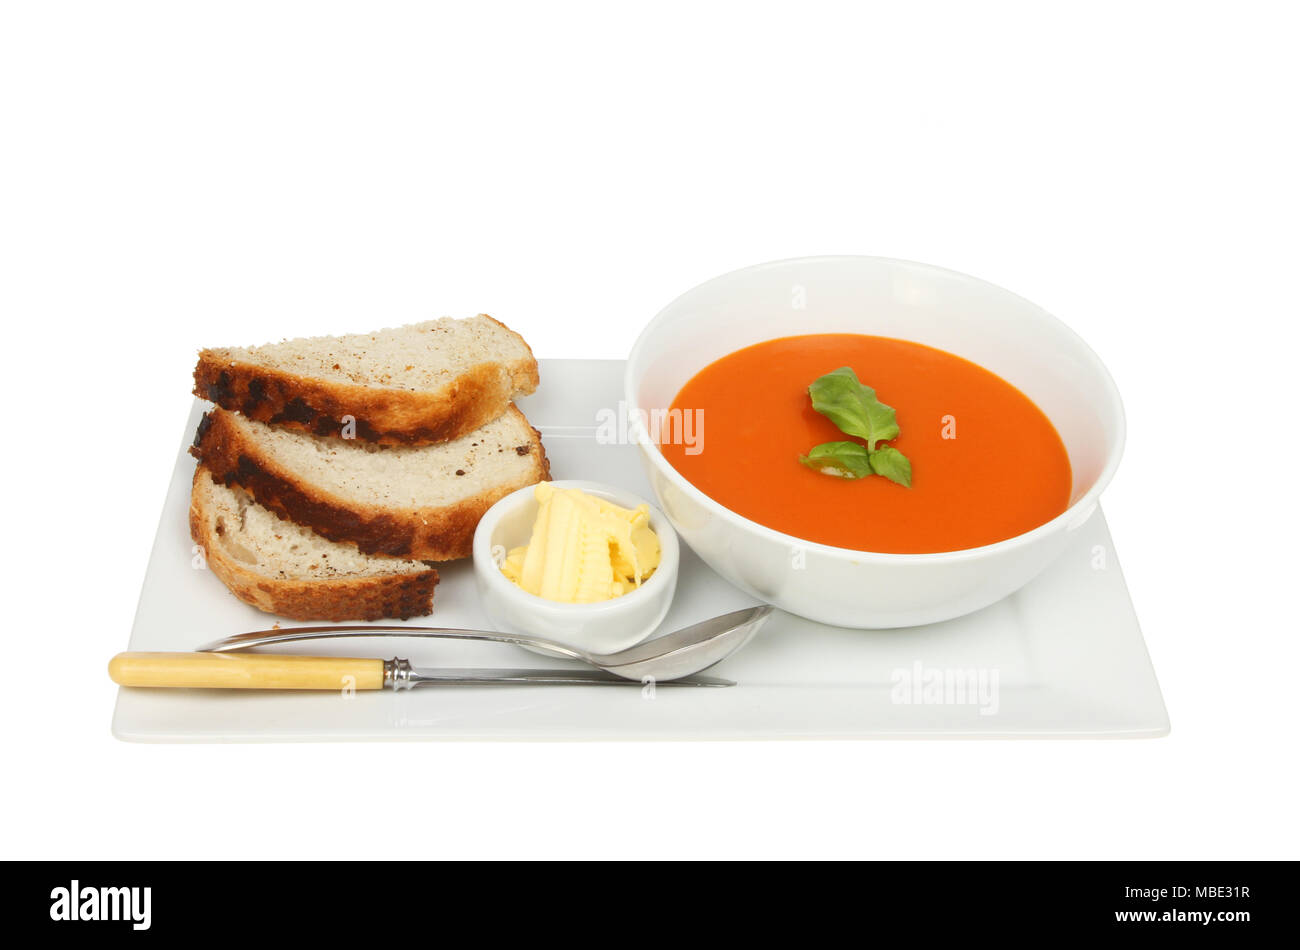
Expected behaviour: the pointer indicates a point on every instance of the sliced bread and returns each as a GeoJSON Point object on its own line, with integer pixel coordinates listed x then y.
{"type": "Point", "coordinates": [414, 385]}
{"type": "Point", "coordinates": [286, 569]}
{"type": "Point", "coordinates": [417, 502]}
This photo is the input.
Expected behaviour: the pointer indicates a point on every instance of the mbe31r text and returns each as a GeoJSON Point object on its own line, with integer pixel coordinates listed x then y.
{"type": "Point", "coordinates": [1204, 891]}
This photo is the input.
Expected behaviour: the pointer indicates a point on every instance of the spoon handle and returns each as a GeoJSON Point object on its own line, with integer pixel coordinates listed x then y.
{"type": "Point", "coordinates": [257, 638]}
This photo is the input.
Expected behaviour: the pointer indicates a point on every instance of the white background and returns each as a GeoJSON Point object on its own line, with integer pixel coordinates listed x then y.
{"type": "Point", "coordinates": [176, 175]}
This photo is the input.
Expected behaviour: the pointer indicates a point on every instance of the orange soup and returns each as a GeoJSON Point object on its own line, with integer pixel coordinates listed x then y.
{"type": "Point", "coordinates": [987, 464]}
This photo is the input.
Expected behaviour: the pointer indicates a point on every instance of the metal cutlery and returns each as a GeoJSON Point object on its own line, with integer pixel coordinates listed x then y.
{"type": "Point", "coordinates": [672, 659]}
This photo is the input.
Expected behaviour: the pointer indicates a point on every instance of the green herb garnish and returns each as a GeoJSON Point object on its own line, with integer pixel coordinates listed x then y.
{"type": "Point", "coordinates": [893, 464]}
{"type": "Point", "coordinates": [854, 408]}
{"type": "Point", "coordinates": [845, 459]}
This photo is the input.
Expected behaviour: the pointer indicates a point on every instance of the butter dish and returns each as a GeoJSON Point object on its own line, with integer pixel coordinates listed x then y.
{"type": "Point", "coordinates": [605, 626]}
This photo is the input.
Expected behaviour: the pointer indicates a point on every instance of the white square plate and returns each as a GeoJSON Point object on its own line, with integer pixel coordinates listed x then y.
{"type": "Point", "coordinates": [1063, 657]}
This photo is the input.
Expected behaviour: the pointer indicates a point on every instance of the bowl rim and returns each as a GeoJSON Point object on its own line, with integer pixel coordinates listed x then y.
{"type": "Point", "coordinates": [664, 574]}
{"type": "Point", "coordinates": [1072, 517]}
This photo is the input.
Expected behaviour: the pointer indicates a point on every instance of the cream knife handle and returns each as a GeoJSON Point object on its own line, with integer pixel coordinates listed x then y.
{"type": "Point", "coordinates": [245, 671]}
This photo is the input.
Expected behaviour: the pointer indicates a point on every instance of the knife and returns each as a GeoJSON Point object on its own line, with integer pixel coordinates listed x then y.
{"type": "Point", "coordinates": [278, 671]}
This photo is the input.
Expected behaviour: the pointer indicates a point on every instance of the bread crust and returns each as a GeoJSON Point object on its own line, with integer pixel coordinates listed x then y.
{"type": "Point", "coordinates": [381, 416]}
{"type": "Point", "coordinates": [396, 596]}
{"type": "Point", "coordinates": [422, 534]}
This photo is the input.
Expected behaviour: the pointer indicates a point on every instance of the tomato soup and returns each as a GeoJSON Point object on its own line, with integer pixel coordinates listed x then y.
{"type": "Point", "coordinates": [987, 464]}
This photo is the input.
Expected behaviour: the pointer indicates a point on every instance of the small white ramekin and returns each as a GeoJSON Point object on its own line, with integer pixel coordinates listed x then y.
{"type": "Point", "coordinates": [604, 627]}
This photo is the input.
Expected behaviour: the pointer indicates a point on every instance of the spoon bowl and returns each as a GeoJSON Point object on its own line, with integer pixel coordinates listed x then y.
{"type": "Point", "coordinates": [688, 650]}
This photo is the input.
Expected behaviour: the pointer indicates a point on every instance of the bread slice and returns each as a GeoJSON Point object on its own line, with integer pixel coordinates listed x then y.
{"type": "Point", "coordinates": [418, 502]}
{"type": "Point", "coordinates": [286, 569]}
{"type": "Point", "coordinates": [414, 385]}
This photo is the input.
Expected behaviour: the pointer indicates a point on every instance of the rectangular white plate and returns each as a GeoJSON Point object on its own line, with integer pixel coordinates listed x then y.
{"type": "Point", "coordinates": [1061, 658]}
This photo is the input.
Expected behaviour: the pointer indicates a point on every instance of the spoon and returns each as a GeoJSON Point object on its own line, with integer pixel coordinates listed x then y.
{"type": "Point", "coordinates": [669, 657]}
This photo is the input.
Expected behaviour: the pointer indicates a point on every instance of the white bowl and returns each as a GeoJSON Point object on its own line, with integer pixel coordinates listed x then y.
{"type": "Point", "coordinates": [604, 627]}
{"type": "Point", "coordinates": [1004, 333]}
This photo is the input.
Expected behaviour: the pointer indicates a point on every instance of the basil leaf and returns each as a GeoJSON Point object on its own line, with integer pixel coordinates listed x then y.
{"type": "Point", "coordinates": [841, 397]}
{"type": "Point", "coordinates": [892, 464]}
{"type": "Point", "coordinates": [853, 407]}
{"type": "Point", "coordinates": [843, 459]}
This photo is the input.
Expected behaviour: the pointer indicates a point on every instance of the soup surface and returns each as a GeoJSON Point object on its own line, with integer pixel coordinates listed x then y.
{"type": "Point", "coordinates": [987, 464]}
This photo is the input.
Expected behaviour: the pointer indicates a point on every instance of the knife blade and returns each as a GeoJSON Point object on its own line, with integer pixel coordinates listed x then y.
{"type": "Point", "coordinates": [497, 677]}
